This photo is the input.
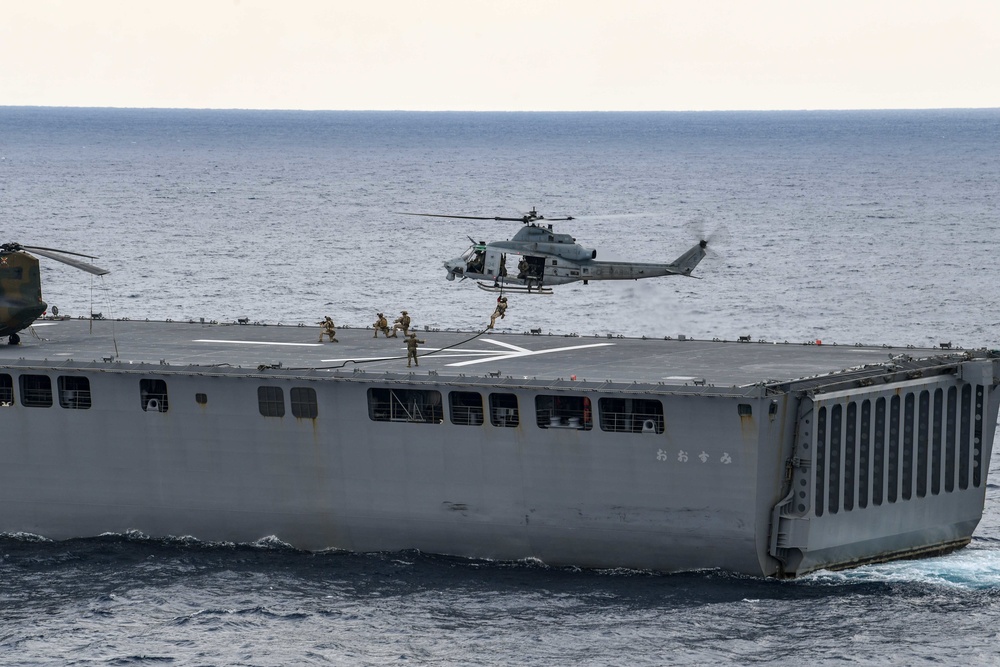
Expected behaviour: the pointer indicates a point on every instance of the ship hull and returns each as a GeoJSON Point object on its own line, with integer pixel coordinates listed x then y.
{"type": "Point", "coordinates": [742, 479]}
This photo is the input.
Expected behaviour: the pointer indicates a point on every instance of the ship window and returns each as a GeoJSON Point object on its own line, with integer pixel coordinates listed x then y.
{"type": "Point", "coordinates": [6, 390]}
{"type": "Point", "coordinates": [304, 403]}
{"type": "Point", "coordinates": [563, 412]}
{"type": "Point", "coordinates": [421, 406]}
{"type": "Point", "coordinates": [36, 391]}
{"type": "Point", "coordinates": [153, 395]}
{"type": "Point", "coordinates": [503, 410]}
{"type": "Point", "coordinates": [201, 399]}
{"type": "Point", "coordinates": [744, 410]}
{"type": "Point", "coordinates": [74, 392]}
{"type": "Point", "coordinates": [466, 408]}
{"type": "Point", "coordinates": [631, 415]}
{"type": "Point", "coordinates": [271, 401]}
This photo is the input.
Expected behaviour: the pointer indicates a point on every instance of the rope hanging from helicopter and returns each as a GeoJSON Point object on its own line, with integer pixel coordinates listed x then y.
{"type": "Point", "coordinates": [107, 301]}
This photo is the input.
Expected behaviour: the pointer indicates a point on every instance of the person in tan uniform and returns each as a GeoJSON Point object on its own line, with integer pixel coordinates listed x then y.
{"type": "Point", "coordinates": [327, 329]}
{"type": "Point", "coordinates": [500, 311]}
{"type": "Point", "coordinates": [381, 324]}
{"type": "Point", "coordinates": [402, 323]}
{"type": "Point", "coordinates": [411, 349]}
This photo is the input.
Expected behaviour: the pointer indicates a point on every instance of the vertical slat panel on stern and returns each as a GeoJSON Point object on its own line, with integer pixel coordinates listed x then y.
{"type": "Point", "coordinates": [885, 470]}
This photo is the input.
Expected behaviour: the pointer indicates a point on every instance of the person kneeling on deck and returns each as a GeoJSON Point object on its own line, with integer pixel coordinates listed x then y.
{"type": "Point", "coordinates": [411, 349]}
{"type": "Point", "coordinates": [381, 324]}
{"type": "Point", "coordinates": [500, 311]}
{"type": "Point", "coordinates": [327, 329]}
{"type": "Point", "coordinates": [402, 323]}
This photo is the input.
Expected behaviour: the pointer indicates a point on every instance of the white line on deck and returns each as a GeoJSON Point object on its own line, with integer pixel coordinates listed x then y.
{"type": "Point", "coordinates": [521, 352]}
{"type": "Point", "coordinates": [257, 342]}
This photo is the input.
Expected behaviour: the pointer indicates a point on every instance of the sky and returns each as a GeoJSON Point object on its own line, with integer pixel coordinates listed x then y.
{"type": "Point", "coordinates": [542, 55]}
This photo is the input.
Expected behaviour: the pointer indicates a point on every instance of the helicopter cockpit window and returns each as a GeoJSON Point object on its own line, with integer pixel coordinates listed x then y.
{"type": "Point", "coordinates": [153, 395]}
{"type": "Point", "coordinates": [11, 273]}
{"type": "Point", "coordinates": [475, 259]}
{"type": "Point", "coordinates": [6, 391]}
{"type": "Point", "coordinates": [36, 391]}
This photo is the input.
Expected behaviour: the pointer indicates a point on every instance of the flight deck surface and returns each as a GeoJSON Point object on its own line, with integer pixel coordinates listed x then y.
{"type": "Point", "coordinates": [447, 353]}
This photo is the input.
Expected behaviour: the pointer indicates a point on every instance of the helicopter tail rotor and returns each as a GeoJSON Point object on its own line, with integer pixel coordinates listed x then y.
{"type": "Point", "coordinates": [716, 237]}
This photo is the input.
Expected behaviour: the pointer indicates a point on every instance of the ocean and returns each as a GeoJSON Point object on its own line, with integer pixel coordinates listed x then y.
{"type": "Point", "coordinates": [874, 227]}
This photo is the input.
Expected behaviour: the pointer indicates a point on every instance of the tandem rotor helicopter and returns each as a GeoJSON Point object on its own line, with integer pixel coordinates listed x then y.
{"type": "Point", "coordinates": [21, 285]}
{"type": "Point", "coordinates": [549, 258]}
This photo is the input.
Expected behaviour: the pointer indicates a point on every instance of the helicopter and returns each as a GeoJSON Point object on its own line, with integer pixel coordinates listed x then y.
{"type": "Point", "coordinates": [21, 285]}
{"type": "Point", "coordinates": [549, 258]}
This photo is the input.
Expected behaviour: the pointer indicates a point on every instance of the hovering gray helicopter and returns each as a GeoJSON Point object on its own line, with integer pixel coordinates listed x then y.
{"type": "Point", "coordinates": [549, 258]}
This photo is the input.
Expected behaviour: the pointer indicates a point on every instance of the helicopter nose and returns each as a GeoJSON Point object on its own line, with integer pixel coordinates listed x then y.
{"type": "Point", "coordinates": [452, 268]}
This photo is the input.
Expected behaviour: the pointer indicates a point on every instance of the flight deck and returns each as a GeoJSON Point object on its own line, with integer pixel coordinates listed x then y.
{"type": "Point", "coordinates": [488, 354]}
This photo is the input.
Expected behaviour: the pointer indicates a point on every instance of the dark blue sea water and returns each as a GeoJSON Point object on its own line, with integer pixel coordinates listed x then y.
{"type": "Point", "coordinates": [874, 227]}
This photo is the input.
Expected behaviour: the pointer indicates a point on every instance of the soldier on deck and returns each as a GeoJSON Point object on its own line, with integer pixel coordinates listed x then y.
{"type": "Point", "coordinates": [500, 311]}
{"type": "Point", "coordinates": [327, 329]}
{"type": "Point", "coordinates": [411, 349]}
{"type": "Point", "coordinates": [402, 323]}
{"type": "Point", "coordinates": [381, 324]}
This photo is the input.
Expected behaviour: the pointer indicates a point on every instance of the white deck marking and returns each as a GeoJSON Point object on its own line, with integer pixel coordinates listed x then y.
{"type": "Point", "coordinates": [256, 342]}
{"type": "Point", "coordinates": [425, 351]}
{"type": "Point", "coordinates": [521, 352]}
{"type": "Point", "coordinates": [507, 345]}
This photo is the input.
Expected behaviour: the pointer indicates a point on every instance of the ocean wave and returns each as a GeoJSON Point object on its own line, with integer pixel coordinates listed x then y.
{"type": "Point", "coordinates": [972, 569]}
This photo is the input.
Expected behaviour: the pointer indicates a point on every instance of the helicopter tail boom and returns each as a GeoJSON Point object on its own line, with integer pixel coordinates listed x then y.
{"type": "Point", "coordinates": [686, 263]}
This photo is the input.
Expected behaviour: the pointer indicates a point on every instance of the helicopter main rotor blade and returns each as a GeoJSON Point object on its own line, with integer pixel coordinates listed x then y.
{"type": "Point", "coordinates": [524, 219]}
{"type": "Point", "coordinates": [63, 252]}
{"type": "Point", "coordinates": [459, 217]}
{"type": "Point", "coordinates": [54, 254]}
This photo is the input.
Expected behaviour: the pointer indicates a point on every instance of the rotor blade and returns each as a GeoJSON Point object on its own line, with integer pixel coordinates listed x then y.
{"type": "Point", "coordinates": [83, 266]}
{"type": "Point", "coordinates": [480, 217]}
{"type": "Point", "coordinates": [461, 217]}
{"type": "Point", "coordinates": [716, 234]}
{"type": "Point", "coordinates": [64, 252]}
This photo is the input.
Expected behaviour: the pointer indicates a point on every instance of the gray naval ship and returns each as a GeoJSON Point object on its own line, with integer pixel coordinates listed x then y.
{"type": "Point", "coordinates": [759, 458]}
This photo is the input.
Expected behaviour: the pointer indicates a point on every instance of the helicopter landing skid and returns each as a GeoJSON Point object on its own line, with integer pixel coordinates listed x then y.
{"type": "Point", "coordinates": [520, 289]}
